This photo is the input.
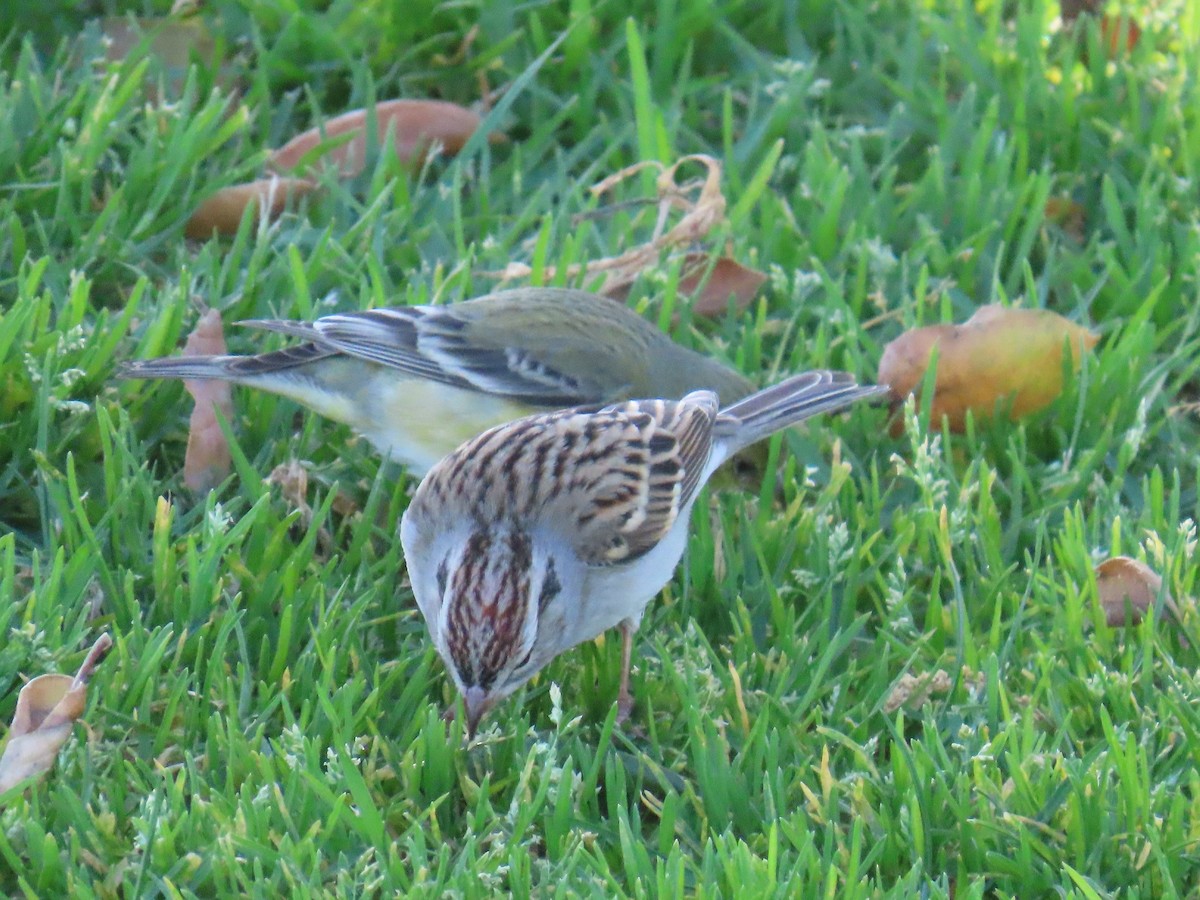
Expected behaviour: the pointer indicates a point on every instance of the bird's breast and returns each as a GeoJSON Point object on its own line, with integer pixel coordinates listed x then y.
{"type": "Point", "coordinates": [614, 593]}
{"type": "Point", "coordinates": [417, 422]}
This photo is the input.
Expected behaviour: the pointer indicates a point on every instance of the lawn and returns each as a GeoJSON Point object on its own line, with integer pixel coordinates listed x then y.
{"type": "Point", "coordinates": [891, 677]}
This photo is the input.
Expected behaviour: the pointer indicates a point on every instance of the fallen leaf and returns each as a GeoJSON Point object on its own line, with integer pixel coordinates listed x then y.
{"type": "Point", "coordinates": [708, 298]}
{"type": "Point", "coordinates": [700, 216]}
{"type": "Point", "coordinates": [207, 460]}
{"type": "Point", "coordinates": [1127, 588]}
{"type": "Point", "coordinates": [1068, 215]}
{"type": "Point", "coordinates": [222, 212]}
{"type": "Point", "coordinates": [416, 127]}
{"type": "Point", "coordinates": [47, 707]}
{"type": "Point", "coordinates": [709, 284]}
{"type": "Point", "coordinates": [998, 353]}
{"type": "Point", "coordinates": [728, 278]}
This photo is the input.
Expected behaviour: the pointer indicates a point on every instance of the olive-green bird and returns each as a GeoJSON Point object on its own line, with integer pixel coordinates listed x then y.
{"type": "Point", "coordinates": [418, 381]}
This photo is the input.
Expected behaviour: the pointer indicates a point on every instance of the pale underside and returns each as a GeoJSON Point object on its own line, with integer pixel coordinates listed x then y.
{"type": "Point", "coordinates": [413, 421]}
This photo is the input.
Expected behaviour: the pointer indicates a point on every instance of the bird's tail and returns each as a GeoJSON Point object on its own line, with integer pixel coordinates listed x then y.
{"type": "Point", "coordinates": [793, 400]}
{"type": "Point", "coordinates": [228, 368]}
{"type": "Point", "coordinates": [199, 367]}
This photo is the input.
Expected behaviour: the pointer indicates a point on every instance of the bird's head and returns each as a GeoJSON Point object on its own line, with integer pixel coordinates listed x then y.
{"type": "Point", "coordinates": [501, 615]}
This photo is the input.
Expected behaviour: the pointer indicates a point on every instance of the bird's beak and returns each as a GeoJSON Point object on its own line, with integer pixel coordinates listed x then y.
{"type": "Point", "coordinates": [477, 703]}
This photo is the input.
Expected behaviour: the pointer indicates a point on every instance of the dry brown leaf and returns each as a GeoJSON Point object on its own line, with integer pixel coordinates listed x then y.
{"type": "Point", "coordinates": [708, 298]}
{"type": "Point", "coordinates": [997, 353]}
{"type": "Point", "coordinates": [728, 278]}
{"type": "Point", "coordinates": [208, 459]}
{"type": "Point", "coordinates": [47, 707]}
{"type": "Point", "coordinates": [416, 128]}
{"type": "Point", "coordinates": [1127, 588]}
{"type": "Point", "coordinates": [700, 216]}
{"type": "Point", "coordinates": [222, 212]}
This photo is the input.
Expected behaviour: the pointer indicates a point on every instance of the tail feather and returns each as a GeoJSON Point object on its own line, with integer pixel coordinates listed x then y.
{"type": "Point", "coordinates": [789, 402]}
{"type": "Point", "coordinates": [199, 367]}
{"type": "Point", "coordinates": [229, 368]}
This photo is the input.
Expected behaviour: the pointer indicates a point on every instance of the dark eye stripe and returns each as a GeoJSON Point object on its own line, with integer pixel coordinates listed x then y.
{"type": "Point", "coordinates": [443, 576]}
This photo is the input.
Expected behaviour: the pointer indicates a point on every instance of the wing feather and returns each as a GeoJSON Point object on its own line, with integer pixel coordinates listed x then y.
{"type": "Point", "coordinates": [435, 342]}
{"type": "Point", "coordinates": [613, 481]}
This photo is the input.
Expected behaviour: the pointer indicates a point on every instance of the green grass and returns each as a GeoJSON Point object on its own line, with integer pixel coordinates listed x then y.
{"type": "Point", "coordinates": [268, 722]}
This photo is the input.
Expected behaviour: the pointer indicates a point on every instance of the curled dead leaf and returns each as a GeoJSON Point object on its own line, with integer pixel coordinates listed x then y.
{"type": "Point", "coordinates": [222, 212]}
{"type": "Point", "coordinates": [47, 708]}
{"type": "Point", "coordinates": [1127, 588]}
{"type": "Point", "coordinates": [998, 353]}
{"type": "Point", "coordinates": [207, 460]}
{"type": "Point", "coordinates": [700, 216]}
{"type": "Point", "coordinates": [416, 127]}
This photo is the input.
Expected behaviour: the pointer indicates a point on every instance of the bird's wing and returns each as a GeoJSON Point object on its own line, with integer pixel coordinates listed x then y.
{"type": "Point", "coordinates": [611, 482]}
{"type": "Point", "coordinates": [436, 343]}
{"type": "Point", "coordinates": [638, 473]}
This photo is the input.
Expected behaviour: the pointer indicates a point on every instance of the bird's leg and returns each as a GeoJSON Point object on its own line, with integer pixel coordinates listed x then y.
{"type": "Point", "coordinates": [624, 698]}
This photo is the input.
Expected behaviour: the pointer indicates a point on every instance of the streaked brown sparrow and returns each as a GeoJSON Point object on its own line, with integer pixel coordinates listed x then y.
{"type": "Point", "coordinates": [544, 532]}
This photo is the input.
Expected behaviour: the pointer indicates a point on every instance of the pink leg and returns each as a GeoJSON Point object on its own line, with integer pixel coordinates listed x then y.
{"type": "Point", "coordinates": [624, 698]}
